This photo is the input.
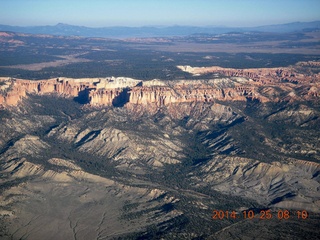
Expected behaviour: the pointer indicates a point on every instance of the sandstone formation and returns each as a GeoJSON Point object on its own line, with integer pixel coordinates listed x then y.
{"type": "Point", "coordinates": [262, 75]}
{"type": "Point", "coordinates": [13, 90]}
{"type": "Point", "coordinates": [264, 85]}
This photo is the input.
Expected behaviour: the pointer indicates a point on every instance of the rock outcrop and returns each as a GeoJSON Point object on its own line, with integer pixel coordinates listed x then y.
{"type": "Point", "coordinates": [93, 90]}
{"type": "Point", "coordinates": [264, 85]}
{"type": "Point", "coordinates": [261, 75]}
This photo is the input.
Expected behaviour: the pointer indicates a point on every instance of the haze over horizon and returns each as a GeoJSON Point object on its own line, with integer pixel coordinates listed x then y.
{"type": "Point", "coordinates": [98, 13]}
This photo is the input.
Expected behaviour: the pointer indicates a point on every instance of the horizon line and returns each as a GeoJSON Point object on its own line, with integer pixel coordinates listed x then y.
{"type": "Point", "coordinates": [160, 25]}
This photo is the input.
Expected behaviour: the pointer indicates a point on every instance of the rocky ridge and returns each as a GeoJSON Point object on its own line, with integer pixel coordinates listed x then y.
{"type": "Point", "coordinates": [263, 85]}
{"type": "Point", "coordinates": [85, 210]}
{"type": "Point", "coordinates": [262, 75]}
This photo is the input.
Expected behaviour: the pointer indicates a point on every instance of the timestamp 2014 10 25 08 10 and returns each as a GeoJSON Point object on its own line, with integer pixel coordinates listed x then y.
{"type": "Point", "coordinates": [262, 214]}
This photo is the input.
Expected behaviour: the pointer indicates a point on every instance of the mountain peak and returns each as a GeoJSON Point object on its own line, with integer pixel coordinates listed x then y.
{"type": "Point", "coordinates": [62, 25]}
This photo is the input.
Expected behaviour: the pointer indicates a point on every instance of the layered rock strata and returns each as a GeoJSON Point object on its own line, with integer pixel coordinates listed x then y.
{"type": "Point", "coordinates": [94, 90]}
{"type": "Point", "coordinates": [261, 75]}
{"type": "Point", "coordinates": [264, 85]}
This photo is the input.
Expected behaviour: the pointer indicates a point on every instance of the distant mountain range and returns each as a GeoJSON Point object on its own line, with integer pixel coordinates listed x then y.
{"type": "Point", "coordinates": [150, 31]}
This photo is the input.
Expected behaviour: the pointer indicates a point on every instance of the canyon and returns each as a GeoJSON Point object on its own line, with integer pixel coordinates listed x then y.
{"type": "Point", "coordinates": [261, 84]}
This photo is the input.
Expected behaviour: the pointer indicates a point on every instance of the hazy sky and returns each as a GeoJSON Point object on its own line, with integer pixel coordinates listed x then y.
{"type": "Point", "coordinates": [100, 13]}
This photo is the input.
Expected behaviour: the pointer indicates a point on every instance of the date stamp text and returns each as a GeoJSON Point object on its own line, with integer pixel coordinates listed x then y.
{"type": "Point", "coordinates": [262, 214]}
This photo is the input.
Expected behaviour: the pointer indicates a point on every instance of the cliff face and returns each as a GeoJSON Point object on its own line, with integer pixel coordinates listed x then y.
{"type": "Point", "coordinates": [104, 97]}
{"type": "Point", "coordinates": [263, 85]}
{"type": "Point", "coordinates": [13, 91]}
{"type": "Point", "coordinates": [68, 87]}
{"type": "Point", "coordinates": [162, 96]}
{"type": "Point", "coordinates": [260, 75]}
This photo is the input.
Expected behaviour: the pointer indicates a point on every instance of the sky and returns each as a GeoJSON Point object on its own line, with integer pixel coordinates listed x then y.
{"type": "Point", "coordinates": [105, 13]}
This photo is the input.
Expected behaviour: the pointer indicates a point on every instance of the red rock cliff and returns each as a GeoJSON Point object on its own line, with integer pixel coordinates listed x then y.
{"type": "Point", "coordinates": [274, 84]}
{"type": "Point", "coordinates": [13, 91]}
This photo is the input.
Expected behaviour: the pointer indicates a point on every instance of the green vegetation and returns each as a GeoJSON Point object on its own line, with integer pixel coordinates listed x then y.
{"type": "Point", "coordinates": [23, 56]}
{"type": "Point", "coordinates": [144, 60]}
{"type": "Point", "coordinates": [145, 65]}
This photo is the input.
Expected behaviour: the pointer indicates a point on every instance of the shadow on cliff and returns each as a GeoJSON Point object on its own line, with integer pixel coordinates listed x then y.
{"type": "Point", "coordinates": [83, 97]}
{"type": "Point", "coordinates": [122, 98]}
